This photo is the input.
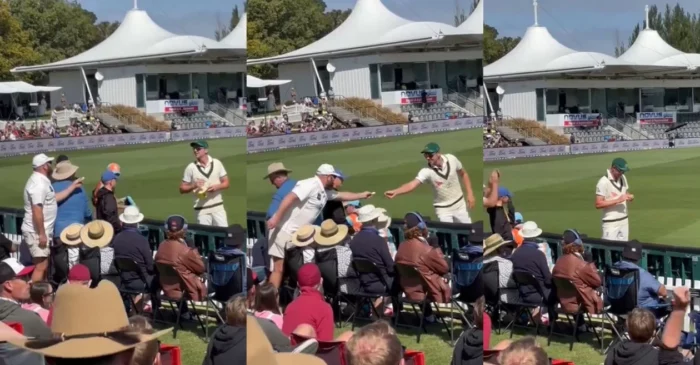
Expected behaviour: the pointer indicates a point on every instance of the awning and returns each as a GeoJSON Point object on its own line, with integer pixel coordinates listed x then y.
{"type": "Point", "coordinates": [14, 87]}
{"type": "Point", "coordinates": [254, 82]}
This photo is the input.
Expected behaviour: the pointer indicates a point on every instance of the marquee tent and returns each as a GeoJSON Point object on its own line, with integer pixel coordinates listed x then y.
{"type": "Point", "coordinates": [254, 82]}
{"type": "Point", "coordinates": [371, 27]}
{"type": "Point", "coordinates": [237, 38]}
{"type": "Point", "coordinates": [21, 87]}
{"type": "Point", "coordinates": [650, 49]}
{"type": "Point", "coordinates": [139, 38]}
{"type": "Point", "coordinates": [474, 24]}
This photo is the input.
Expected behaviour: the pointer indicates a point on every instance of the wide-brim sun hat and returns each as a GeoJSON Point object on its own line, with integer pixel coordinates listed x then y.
{"type": "Point", "coordinates": [304, 236]}
{"type": "Point", "coordinates": [97, 233]}
{"type": "Point", "coordinates": [530, 230]}
{"type": "Point", "coordinates": [88, 323]}
{"type": "Point", "coordinates": [493, 243]}
{"type": "Point", "coordinates": [276, 167]}
{"type": "Point", "coordinates": [70, 236]}
{"type": "Point", "coordinates": [63, 171]}
{"type": "Point", "coordinates": [131, 215]}
{"type": "Point", "coordinates": [367, 213]}
{"type": "Point", "coordinates": [330, 233]}
{"type": "Point", "coordinates": [259, 350]}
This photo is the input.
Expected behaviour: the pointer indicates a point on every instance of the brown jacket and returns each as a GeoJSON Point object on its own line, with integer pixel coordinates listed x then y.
{"type": "Point", "coordinates": [188, 263]}
{"type": "Point", "coordinates": [585, 278]}
{"type": "Point", "coordinates": [431, 264]}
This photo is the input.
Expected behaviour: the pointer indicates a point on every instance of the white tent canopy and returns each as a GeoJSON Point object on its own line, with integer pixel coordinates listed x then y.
{"type": "Point", "coordinates": [137, 38]}
{"type": "Point", "coordinates": [474, 24]}
{"type": "Point", "coordinates": [254, 82]}
{"type": "Point", "coordinates": [650, 49]}
{"type": "Point", "coordinates": [15, 87]}
{"type": "Point", "coordinates": [238, 38]}
{"type": "Point", "coordinates": [370, 26]}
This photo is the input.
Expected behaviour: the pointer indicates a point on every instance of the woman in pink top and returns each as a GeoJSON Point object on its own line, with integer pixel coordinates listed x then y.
{"type": "Point", "coordinates": [41, 296]}
{"type": "Point", "coordinates": [267, 304]}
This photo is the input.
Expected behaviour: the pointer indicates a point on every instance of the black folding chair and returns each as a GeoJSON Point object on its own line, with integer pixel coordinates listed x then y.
{"type": "Point", "coordinates": [227, 276]}
{"type": "Point", "coordinates": [293, 261]}
{"type": "Point", "coordinates": [620, 289]}
{"type": "Point", "coordinates": [467, 285]}
{"type": "Point", "coordinates": [492, 291]}
{"type": "Point", "coordinates": [565, 288]}
{"type": "Point", "coordinates": [522, 280]}
{"type": "Point", "coordinates": [327, 262]}
{"type": "Point", "coordinates": [177, 305]}
{"type": "Point", "coordinates": [364, 268]}
{"type": "Point", "coordinates": [127, 265]}
{"type": "Point", "coordinates": [411, 274]}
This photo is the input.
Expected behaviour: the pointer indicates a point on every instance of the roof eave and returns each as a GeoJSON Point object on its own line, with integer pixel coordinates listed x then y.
{"type": "Point", "coordinates": [54, 67]}
{"type": "Point", "coordinates": [535, 74]}
{"type": "Point", "coordinates": [307, 56]}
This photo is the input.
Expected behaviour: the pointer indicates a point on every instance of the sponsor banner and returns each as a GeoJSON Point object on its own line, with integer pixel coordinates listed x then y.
{"type": "Point", "coordinates": [12, 148]}
{"type": "Point", "coordinates": [269, 143]}
{"type": "Point", "coordinates": [209, 133]}
{"type": "Point", "coordinates": [686, 142]}
{"type": "Point", "coordinates": [656, 118]}
{"type": "Point", "coordinates": [582, 120]}
{"type": "Point", "coordinates": [603, 147]}
{"type": "Point", "coordinates": [405, 97]}
{"type": "Point", "coordinates": [492, 154]}
{"type": "Point", "coordinates": [174, 106]}
{"type": "Point", "coordinates": [446, 125]}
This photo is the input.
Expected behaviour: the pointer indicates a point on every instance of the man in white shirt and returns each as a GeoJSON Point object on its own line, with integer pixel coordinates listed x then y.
{"type": "Point", "coordinates": [40, 208]}
{"type": "Point", "coordinates": [206, 177]}
{"type": "Point", "coordinates": [443, 173]}
{"type": "Point", "coordinates": [299, 208]}
{"type": "Point", "coordinates": [612, 196]}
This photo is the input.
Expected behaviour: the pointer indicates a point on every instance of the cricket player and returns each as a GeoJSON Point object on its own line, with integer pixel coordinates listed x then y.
{"type": "Point", "coordinates": [443, 173]}
{"type": "Point", "coordinates": [205, 178]}
{"type": "Point", "coordinates": [612, 196]}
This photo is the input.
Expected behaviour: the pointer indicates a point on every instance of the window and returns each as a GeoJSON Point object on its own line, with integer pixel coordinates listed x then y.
{"type": "Point", "coordinates": [374, 81]}
{"type": "Point", "coordinates": [140, 99]}
{"type": "Point", "coordinates": [540, 104]}
{"type": "Point", "coordinates": [552, 98]}
{"type": "Point", "coordinates": [387, 77]}
{"type": "Point", "coordinates": [152, 87]}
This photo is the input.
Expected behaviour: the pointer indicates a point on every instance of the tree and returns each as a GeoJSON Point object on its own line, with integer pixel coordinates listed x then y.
{"type": "Point", "coordinates": [235, 17]}
{"type": "Point", "coordinates": [678, 27]}
{"type": "Point", "coordinates": [495, 47]}
{"type": "Point", "coordinates": [335, 18]}
{"type": "Point", "coordinates": [15, 46]}
{"type": "Point", "coordinates": [223, 30]}
{"type": "Point", "coordinates": [105, 29]}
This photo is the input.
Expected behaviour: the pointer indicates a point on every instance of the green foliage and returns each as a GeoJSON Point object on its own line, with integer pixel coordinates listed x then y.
{"type": "Point", "coordinates": [676, 26]}
{"type": "Point", "coordinates": [15, 45]}
{"type": "Point", "coordinates": [496, 47]}
{"type": "Point", "coordinates": [276, 27]}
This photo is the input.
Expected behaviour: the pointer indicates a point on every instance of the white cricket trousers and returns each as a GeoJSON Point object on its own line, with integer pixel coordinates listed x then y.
{"type": "Point", "coordinates": [616, 231]}
{"type": "Point", "coordinates": [457, 213]}
{"type": "Point", "coordinates": [216, 219]}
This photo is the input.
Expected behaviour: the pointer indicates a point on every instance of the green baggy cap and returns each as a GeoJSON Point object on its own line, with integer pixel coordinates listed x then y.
{"type": "Point", "coordinates": [431, 147]}
{"type": "Point", "coordinates": [199, 144]}
{"type": "Point", "coordinates": [620, 164]}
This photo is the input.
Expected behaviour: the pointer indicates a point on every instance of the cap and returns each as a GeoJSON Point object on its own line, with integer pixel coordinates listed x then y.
{"type": "Point", "coordinates": [108, 176]}
{"type": "Point", "coordinates": [353, 203]}
{"type": "Point", "coordinates": [632, 250]}
{"type": "Point", "coordinates": [308, 275]}
{"type": "Point", "coordinates": [327, 169]}
{"type": "Point", "coordinates": [61, 158]}
{"type": "Point", "coordinates": [413, 220]}
{"type": "Point", "coordinates": [235, 236]}
{"type": "Point", "coordinates": [10, 268]}
{"type": "Point", "coordinates": [519, 217]}
{"type": "Point", "coordinates": [504, 192]}
{"type": "Point", "coordinates": [431, 147]}
{"type": "Point", "coordinates": [175, 223]}
{"type": "Point", "coordinates": [620, 164]}
{"type": "Point", "coordinates": [199, 144]}
{"type": "Point", "coordinates": [476, 236]}
{"type": "Point", "coordinates": [79, 272]}
{"type": "Point", "coordinates": [41, 160]}
{"type": "Point", "coordinates": [340, 175]}
{"type": "Point", "coordinates": [570, 237]}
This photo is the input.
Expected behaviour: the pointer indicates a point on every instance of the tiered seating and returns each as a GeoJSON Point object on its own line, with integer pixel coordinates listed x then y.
{"type": "Point", "coordinates": [690, 130]}
{"type": "Point", "coordinates": [533, 129]}
{"type": "Point", "coordinates": [592, 135]}
{"type": "Point", "coordinates": [195, 120]}
{"type": "Point", "coordinates": [435, 111]}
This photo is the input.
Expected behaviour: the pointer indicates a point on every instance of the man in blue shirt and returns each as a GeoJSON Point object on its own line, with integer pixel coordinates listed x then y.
{"type": "Point", "coordinates": [279, 178]}
{"type": "Point", "coordinates": [650, 290]}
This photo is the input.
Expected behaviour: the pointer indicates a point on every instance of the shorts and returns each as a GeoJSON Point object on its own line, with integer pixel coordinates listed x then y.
{"type": "Point", "coordinates": [616, 231]}
{"type": "Point", "coordinates": [457, 213]}
{"type": "Point", "coordinates": [279, 241]}
{"type": "Point", "coordinates": [32, 241]}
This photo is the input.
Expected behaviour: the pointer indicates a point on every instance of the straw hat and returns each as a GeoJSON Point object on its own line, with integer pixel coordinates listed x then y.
{"type": "Point", "coordinates": [87, 323]}
{"type": "Point", "coordinates": [70, 236]}
{"type": "Point", "coordinates": [530, 230]}
{"type": "Point", "coordinates": [493, 243]}
{"type": "Point", "coordinates": [97, 233]}
{"type": "Point", "coordinates": [259, 350]}
{"type": "Point", "coordinates": [304, 236]}
{"type": "Point", "coordinates": [368, 213]}
{"type": "Point", "coordinates": [64, 170]}
{"type": "Point", "coordinates": [276, 167]}
{"type": "Point", "coordinates": [330, 233]}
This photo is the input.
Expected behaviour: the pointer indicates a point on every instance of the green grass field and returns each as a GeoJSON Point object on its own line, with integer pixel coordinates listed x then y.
{"type": "Point", "coordinates": [559, 193]}
{"type": "Point", "coordinates": [373, 165]}
{"type": "Point", "coordinates": [151, 175]}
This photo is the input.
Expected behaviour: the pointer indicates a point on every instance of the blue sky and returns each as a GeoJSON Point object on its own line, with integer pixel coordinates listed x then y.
{"type": "Point", "coordinates": [584, 25]}
{"type": "Point", "coordinates": [199, 17]}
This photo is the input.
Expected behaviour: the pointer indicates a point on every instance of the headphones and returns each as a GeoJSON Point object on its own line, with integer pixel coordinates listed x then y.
{"type": "Point", "coordinates": [167, 228]}
{"type": "Point", "coordinates": [421, 222]}
{"type": "Point", "coordinates": [578, 240]}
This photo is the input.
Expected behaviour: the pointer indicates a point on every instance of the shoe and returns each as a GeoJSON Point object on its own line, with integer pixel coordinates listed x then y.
{"type": "Point", "coordinates": [309, 347]}
{"type": "Point", "coordinates": [430, 319]}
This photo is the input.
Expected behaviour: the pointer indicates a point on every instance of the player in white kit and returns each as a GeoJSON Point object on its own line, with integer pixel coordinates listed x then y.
{"type": "Point", "coordinates": [443, 173]}
{"type": "Point", "coordinates": [612, 196]}
{"type": "Point", "coordinates": [206, 177]}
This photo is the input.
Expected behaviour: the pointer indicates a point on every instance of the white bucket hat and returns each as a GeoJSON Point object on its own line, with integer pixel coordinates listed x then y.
{"type": "Point", "coordinates": [131, 215]}
{"type": "Point", "coordinates": [530, 230]}
{"type": "Point", "coordinates": [368, 213]}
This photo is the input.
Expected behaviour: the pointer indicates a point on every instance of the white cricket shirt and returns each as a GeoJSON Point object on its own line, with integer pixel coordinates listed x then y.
{"type": "Point", "coordinates": [212, 173]}
{"type": "Point", "coordinates": [39, 191]}
{"type": "Point", "coordinates": [610, 190]}
{"type": "Point", "coordinates": [312, 198]}
{"type": "Point", "coordinates": [445, 181]}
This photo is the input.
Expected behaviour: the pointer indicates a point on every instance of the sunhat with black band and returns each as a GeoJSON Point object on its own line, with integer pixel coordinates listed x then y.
{"type": "Point", "coordinates": [97, 233]}
{"type": "Point", "coordinates": [259, 350]}
{"type": "Point", "coordinates": [88, 323]}
{"type": "Point", "coordinates": [493, 243]}
{"type": "Point", "coordinates": [63, 171]}
{"type": "Point", "coordinates": [304, 236]}
{"type": "Point", "coordinates": [70, 236]}
{"type": "Point", "coordinates": [330, 233]}
{"type": "Point", "coordinates": [276, 167]}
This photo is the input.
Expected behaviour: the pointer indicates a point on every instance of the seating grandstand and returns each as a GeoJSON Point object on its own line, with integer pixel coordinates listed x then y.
{"type": "Point", "coordinates": [433, 111]}
{"type": "Point", "coordinates": [196, 120]}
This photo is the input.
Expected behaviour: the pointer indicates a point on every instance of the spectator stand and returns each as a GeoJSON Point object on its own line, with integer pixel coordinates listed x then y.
{"type": "Point", "coordinates": [195, 120]}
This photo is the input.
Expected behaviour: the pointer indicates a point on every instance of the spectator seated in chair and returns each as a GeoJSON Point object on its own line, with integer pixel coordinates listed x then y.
{"type": "Point", "coordinates": [267, 304]}
{"type": "Point", "coordinates": [146, 353]}
{"type": "Point", "coordinates": [375, 343]}
{"type": "Point", "coordinates": [310, 306]}
{"type": "Point", "coordinates": [498, 250]}
{"type": "Point", "coordinates": [228, 343]}
{"type": "Point", "coordinates": [79, 274]}
{"type": "Point", "coordinates": [14, 289]}
{"type": "Point", "coordinates": [40, 299]}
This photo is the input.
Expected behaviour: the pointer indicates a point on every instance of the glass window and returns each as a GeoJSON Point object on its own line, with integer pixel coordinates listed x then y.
{"type": "Point", "coordinates": [183, 86]}
{"type": "Point", "coordinates": [653, 99]}
{"type": "Point", "coordinates": [387, 76]}
{"type": "Point", "coordinates": [199, 87]}
{"type": "Point", "coordinates": [552, 97]}
{"type": "Point", "coordinates": [540, 104]}
{"type": "Point", "coordinates": [152, 87]}
{"type": "Point", "coordinates": [677, 99]}
{"type": "Point", "coordinates": [140, 100]}
{"type": "Point", "coordinates": [374, 81]}
{"type": "Point", "coordinates": [696, 99]}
